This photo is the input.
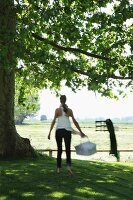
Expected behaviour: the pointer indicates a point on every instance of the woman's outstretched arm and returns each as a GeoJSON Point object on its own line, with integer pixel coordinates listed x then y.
{"type": "Point", "coordinates": [77, 125]}
{"type": "Point", "coordinates": [53, 123]}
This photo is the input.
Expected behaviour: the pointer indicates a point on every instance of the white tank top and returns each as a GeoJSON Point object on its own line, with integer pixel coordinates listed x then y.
{"type": "Point", "coordinates": [63, 121]}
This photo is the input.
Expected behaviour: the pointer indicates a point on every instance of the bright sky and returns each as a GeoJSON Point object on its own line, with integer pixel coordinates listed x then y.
{"type": "Point", "coordinates": [86, 104]}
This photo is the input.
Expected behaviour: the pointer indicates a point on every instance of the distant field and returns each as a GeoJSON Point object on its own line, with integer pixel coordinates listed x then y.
{"type": "Point", "coordinates": [37, 133]}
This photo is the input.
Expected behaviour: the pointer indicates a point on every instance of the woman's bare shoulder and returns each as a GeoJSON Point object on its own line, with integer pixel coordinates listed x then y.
{"type": "Point", "coordinates": [58, 111]}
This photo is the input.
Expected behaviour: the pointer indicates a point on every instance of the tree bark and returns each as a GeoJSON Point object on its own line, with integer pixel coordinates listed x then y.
{"type": "Point", "coordinates": [12, 145]}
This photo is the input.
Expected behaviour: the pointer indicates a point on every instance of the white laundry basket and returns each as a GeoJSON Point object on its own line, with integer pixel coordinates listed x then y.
{"type": "Point", "coordinates": [86, 148]}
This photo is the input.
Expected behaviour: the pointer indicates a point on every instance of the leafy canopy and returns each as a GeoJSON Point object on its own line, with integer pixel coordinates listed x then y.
{"type": "Point", "coordinates": [85, 43]}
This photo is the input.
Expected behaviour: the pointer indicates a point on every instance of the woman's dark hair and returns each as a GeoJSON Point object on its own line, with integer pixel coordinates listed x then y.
{"type": "Point", "coordinates": [63, 101]}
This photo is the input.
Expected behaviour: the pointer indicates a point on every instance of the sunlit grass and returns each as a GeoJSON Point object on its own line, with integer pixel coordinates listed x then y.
{"type": "Point", "coordinates": [38, 136]}
{"type": "Point", "coordinates": [28, 194]}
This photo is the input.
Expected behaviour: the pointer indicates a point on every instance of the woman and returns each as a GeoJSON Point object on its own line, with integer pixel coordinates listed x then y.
{"type": "Point", "coordinates": [63, 130]}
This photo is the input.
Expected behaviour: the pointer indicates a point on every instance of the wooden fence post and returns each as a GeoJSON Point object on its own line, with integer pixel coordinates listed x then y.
{"type": "Point", "coordinates": [50, 152]}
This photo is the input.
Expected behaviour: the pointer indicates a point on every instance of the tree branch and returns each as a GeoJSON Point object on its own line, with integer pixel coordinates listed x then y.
{"type": "Point", "coordinates": [70, 49]}
{"type": "Point", "coordinates": [110, 76]}
{"type": "Point", "coordinates": [122, 78]}
{"type": "Point", "coordinates": [85, 73]}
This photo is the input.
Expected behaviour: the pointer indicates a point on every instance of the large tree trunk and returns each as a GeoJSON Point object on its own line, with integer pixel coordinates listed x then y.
{"type": "Point", "coordinates": [11, 144]}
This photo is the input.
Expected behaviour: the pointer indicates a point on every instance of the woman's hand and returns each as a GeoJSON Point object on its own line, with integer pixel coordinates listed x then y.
{"type": "Point", "coordinates": [83, 135]}
{"type": "Point", "coordinates": [49, 136]}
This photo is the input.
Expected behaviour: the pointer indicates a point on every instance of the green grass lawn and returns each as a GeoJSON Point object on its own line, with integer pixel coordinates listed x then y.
{"type": "Point", "coordinates": [38, 180]}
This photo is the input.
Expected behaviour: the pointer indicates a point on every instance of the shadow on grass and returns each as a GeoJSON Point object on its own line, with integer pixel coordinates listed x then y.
{"type": "Point", "coordinates": [37, 180]}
